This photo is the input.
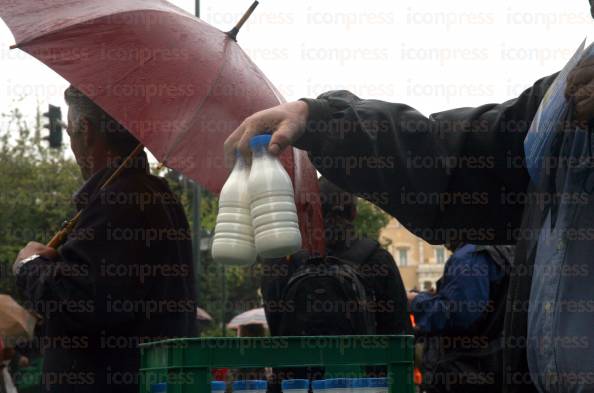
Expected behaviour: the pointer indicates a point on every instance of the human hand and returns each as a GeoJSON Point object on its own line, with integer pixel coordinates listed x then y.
{"type": "Point", "coordinates": [286, 122]}
{"type": "Point", "coordinates": [33, 248]}
{"type": "Point", "coordinates": [580, 90]}
{"type": "Point", "coordinates": [23, 362]}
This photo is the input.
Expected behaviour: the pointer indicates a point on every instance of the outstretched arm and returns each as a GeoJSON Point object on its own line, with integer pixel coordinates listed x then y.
{"type": "Point", "coordinates": [456, 174]}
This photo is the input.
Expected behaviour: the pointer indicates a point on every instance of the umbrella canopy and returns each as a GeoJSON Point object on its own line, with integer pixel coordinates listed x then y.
{"type": "Point", "coordinates": [251, 317]}
{"type": "Point", "coordinates": [178, 84]}
{"type": "Point", "coordinates": [202, 315]}
{"type": "Point", "coordinates": [16, 323]}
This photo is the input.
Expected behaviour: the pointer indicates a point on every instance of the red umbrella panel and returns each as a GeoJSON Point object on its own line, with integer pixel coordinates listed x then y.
{"type": "Point", "coordinates": [178, 84]}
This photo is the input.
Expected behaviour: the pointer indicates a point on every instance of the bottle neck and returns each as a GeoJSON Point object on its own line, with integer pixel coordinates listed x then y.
{"type": "Point", "coordinates": [260, 151]}
{"type": "Point", "coordinates": [239, 163]}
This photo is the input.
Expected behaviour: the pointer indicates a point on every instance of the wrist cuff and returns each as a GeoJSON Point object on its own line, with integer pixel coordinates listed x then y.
{"type": "Point", "coordinates": [318, 122]}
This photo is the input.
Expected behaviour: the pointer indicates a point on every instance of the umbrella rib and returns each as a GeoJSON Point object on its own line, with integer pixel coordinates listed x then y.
{"type": "Point", "coordinates": [180, 136]}
{"type": "Point", "coordinates": [134, 69]}
{"type": "Point", "coordinates": [270, 85]}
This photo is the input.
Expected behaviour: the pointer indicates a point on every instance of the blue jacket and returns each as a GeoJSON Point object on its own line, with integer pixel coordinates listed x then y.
{"type": "Point", "coordinates": [463, 294]}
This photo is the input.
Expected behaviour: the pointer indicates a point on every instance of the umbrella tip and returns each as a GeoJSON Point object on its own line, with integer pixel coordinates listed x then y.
{"type": "Point", "coordinates": [14, 46]}
{"type": "Point", "coordinates": [235, 30]}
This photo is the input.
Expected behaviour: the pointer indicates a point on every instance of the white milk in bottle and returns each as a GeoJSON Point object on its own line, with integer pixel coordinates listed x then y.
{"type": "Point", "coordinates": [233, 242]}
{"type": "Point", "coordinates": [274, 215]}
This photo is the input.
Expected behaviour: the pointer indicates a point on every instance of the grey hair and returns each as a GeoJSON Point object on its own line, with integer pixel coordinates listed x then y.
{"type": "Point", "coordinates": [117, 137]}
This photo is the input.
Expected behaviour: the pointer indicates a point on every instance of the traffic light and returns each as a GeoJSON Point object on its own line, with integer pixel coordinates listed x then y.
{"type": "Point", "coordinates": [55, 126]}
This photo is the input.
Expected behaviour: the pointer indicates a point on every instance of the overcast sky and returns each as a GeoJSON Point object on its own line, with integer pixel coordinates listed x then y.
{"type": "Point", "coordinates": [431, 54]}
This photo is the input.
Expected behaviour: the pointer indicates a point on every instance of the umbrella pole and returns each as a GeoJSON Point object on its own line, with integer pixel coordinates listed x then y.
{"type": "Point", "coordinates": [69, 225]}
{"type": "Point", "coordinates": [234, 31]}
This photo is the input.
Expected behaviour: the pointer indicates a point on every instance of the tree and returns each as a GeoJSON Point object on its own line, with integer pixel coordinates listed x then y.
{"type": "Point", "coordinates": [36, 187]}
{"type": "Point", "coordinates": [370, 219]}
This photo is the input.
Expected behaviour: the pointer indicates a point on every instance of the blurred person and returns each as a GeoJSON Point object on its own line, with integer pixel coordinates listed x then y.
{"type": "Point", "coordinates": [461, 322]}
{"type": "Point", "coordinates": [122, 277]}
{"type": "Point", "coordinates": [252, 330]}
{"type": "Point", "coordinates": [27, 355]}
{"type": "Point", "coordinates": [339, 211]}
{"type": "Point", "coordinates": [379, 270]}
{"type": "Point", "coordinates": [6, 354]}
{"type": "Point", "coordinates": [461, 175]}
{"type": "Point", "coordinates": [375, 266]}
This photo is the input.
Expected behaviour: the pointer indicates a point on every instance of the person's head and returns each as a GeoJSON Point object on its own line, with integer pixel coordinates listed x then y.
{"type": "Point", "coordinates": [339, 209]}
{"type": "Point", "coordinates": [251, 330]}
{"type": "Point", "coordinates": [95, 136]}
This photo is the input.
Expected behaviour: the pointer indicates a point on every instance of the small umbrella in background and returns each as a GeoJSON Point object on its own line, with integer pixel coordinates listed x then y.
{"type": "Point", "coordinates": [251, 317]}
{"type": "Point", "coordinates": [202, 315]}
{"type": "Point", "coordinates": [16, 323]}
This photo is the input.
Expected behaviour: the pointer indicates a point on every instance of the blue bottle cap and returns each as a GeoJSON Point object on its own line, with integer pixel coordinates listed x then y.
{"type": "Point", "coordinates": [337, 383]}
{"type": "Point", "coordinates": [318, 385]}
{"type": "Point", "coordinates": [250, 385]}
{"type": "Point", "coordinates": [260, 141]}
{"type": "Point", "coordinates": [217, 386]}
{"type": "Point", "coordinates": [295, 384]}
{"type": "Point", "coordinates": [377, 382]}
{"type": "Point", "coordinates": [359, 383]}
{"type": "Point", "coordinates": [159, 388]}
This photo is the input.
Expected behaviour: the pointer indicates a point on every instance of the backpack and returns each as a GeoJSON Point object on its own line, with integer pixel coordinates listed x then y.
{"type": "Point", "coordinates": [329, 296]}
{"type": "Point", "coordinates": [296, 286]}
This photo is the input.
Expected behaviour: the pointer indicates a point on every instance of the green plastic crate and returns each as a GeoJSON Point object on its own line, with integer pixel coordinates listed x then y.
{"type": "Point", "coordinates": [185, 364]}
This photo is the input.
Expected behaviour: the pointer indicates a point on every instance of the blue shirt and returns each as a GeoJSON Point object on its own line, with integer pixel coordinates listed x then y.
{"type": "Point", "coordinates": [560, 342]}
{"type": "Point", "coordinates": [560, 337]}
{"type": "Point", "coordinates": [463, 295]}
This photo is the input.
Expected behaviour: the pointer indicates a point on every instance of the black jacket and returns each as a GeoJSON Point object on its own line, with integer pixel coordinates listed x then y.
{"type": "Point", "coordinates": [378, 270]}
{"type": "Point", "coordinates": [124, 277]}
{"type": "Point", "coordinates": [455, 175]}
{"type": "Point", "coordinates": [379, 274]}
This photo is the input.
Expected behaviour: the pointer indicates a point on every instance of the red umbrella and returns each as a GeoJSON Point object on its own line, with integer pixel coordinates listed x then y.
{"type": "Point", "coordinates": [178, 84]}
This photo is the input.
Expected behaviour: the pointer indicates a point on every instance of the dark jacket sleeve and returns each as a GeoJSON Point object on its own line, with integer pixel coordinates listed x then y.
{"type": "Point", "coordinates": [96, 283]}
{"type": "Point", "coordinates": [391, 304]}
{"type": "Point", "coordinates": [455, 174]}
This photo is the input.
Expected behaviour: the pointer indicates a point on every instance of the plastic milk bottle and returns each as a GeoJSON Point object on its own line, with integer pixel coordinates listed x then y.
{"type": "Point", "coordinates": [233, 242]}
{"type": "Point", "coordinates": [274, 215]}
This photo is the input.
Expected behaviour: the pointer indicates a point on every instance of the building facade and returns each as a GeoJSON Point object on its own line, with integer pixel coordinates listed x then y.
{"type": "Point", "coordinates": [420, 263]}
